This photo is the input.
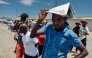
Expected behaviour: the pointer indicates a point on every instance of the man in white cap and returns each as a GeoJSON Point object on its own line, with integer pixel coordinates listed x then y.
{"type": "Point", "coordinates": [59, 38]}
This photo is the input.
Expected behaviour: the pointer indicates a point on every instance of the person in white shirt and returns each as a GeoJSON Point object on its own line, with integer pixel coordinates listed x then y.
{"type": "Point", "coordinates": [29, 43]}
{"type": "Point", "coordinates": [85, 31]}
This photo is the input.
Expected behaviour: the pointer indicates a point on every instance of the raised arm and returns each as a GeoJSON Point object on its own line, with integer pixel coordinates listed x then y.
{"type": "Point", "coordinates": [15, 24]}
{"type": "Point", "coordinates": [34, 32]}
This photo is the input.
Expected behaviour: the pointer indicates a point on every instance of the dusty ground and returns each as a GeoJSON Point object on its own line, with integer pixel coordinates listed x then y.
{"type": "Point", "coordinates": [7, 44]}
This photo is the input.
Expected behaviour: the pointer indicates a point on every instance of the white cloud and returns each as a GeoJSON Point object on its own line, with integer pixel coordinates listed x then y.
{"type": "Point", "coordinates": [3, 2]}
{"type": "Point", "coordinates": [50, 3]}
{"type": "Point", "coordinates": [28, 2]}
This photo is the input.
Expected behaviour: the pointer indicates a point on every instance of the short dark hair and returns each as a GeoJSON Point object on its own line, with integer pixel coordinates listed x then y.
{"type": "Point", "coordinates": [24, 16]}
{"type": "Point", "coordinates": [23, 26]}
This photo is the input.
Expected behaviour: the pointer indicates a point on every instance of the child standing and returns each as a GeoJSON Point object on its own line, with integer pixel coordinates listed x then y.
{"type": "Point", "coordinates": [29, 43]}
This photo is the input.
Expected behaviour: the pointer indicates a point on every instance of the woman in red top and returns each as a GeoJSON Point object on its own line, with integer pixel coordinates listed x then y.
{"type": "Point", "coordinates": [41, 39]}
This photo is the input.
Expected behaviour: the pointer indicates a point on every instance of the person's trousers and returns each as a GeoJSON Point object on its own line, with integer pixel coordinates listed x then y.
{"type": "Point", "coordinates": [27, 56]}
{"type": "Point", "coordinates": [40, 48]}
{"type": "Point", "coordinates": [84, 41]}
{"type": "Point", "coordinates": [19, 51]}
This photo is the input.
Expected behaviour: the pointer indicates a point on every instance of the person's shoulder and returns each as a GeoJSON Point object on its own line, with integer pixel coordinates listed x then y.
{"type": "Point", "coordinates": [47, 27]}
{"type": "Point", "coordinates": [49, 24]}
{"type": "Point", "coordinates": [69, 32]}
{"type": "Point", "coordinates": [28, 33]}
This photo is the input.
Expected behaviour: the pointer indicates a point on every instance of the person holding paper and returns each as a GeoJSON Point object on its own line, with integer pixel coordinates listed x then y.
{"type": "Point", "coordinates": [59, 38]}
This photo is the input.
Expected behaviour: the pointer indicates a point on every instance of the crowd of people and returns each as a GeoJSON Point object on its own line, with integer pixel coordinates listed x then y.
{"type": "Point", "coordinates": [23, 45]}
{"type": "Point", "coordinates": [38, 38]}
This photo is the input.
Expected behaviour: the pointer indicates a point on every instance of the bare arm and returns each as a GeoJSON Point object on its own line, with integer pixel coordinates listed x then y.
{"type": "Point", "coordinates": [26, 21]}
{"type": "Point", "coordinates": [83, 51]}
{"type": "Point", "coordinates": [87, 31]}
{"type": "Point", "coordinates": [34, 31]}
{"type": "Point", "coordinates": [15, 24]}
{"type": "Point", "coordinates": [42, 15]}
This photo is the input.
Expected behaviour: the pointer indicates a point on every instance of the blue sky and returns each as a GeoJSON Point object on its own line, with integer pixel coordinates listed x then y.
{"type": "Point", "coordinates": [8, 8]}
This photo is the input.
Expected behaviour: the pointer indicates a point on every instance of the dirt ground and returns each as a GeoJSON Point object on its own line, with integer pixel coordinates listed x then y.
{"type": "Point", "coordinates": [7, 43]}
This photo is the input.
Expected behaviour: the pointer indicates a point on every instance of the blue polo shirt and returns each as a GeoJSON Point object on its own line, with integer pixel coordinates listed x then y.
{"type": "Point", "coordinates": [58, 44]}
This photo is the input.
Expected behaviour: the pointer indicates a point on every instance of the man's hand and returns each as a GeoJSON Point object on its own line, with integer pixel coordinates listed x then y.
{"type": "Point", "coordinates": [43, 14]}
{"type": "Point", "coordinates": [15, 24]}
{"type": "Point", "coordinates": [85, 33]}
